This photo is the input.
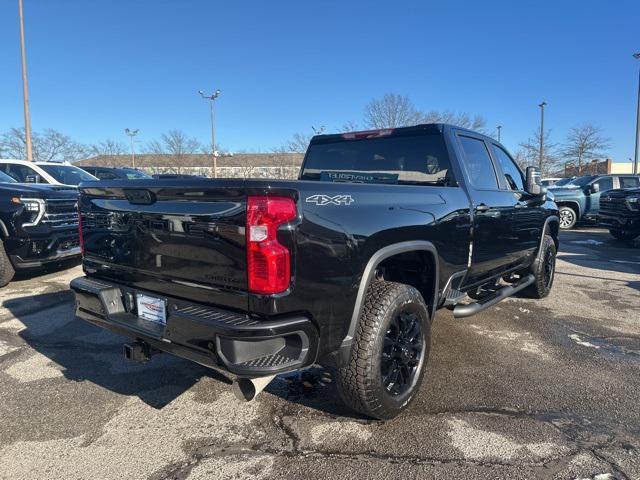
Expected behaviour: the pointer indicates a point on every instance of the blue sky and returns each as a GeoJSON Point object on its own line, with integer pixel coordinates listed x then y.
{"type": "Point", "coordinates": [96, 67]}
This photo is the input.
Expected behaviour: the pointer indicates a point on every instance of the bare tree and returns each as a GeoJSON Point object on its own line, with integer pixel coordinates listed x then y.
{"type": "Point", "coordinates": [459, 119]}
{"type": "Point", "coordinates": [108, 148]}
{"type": "Point", "coordinates": [246, 169]}
{"type": "Point", "coordinates": [50, 146]}
{"type": "Point", "coordinates": [175, 142]}
{"type": "Point", "coordinates": [529, 153]}
{"type": "Point", "coordinates": [391, 111]}
{"type": "Point", "coordinates": [584, 143]}
{"type": "Point", "coordinates": [299, 142]}
{"type": "Point", "coordinates": [350, 126]}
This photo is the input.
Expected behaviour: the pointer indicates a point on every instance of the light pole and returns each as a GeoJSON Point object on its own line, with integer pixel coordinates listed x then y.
{"type": "Point", "coordinates": [25, 87]}
{"type": "Point", "coordinates": [211, 99]}
{"type": "Point", "coordinates": [635, 158]}
{"type": "Point", "coordinates": [131, 134]}
{"type": "Point", "coordinates": [499, 127]}
{"type": "Point", "coordinates": [541, 105]}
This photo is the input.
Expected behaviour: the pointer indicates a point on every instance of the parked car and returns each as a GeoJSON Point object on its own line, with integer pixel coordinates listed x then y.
{"type": "Point", "coordinates": [560, 183]}
{"type": "Point", "coordinates": [44, 172]}
{"type": "Point", "coordinates": [174, 176]}
{"type": "Point", "coordinates": [620, 213]}
{"type": "Point", "coordinates": [116, 173]}
{"type": "Point", "coordinates": [345, 267]}
{"type": "Point", "coordinates": [579, 200]}
{"type": "Point", "coordinates": [547, 182]}
{"type": "Point", "coordinates": [38, 226]}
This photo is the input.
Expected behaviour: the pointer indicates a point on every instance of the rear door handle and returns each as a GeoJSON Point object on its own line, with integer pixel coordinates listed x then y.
{"type": "Point", "coordinates": [482, 207]}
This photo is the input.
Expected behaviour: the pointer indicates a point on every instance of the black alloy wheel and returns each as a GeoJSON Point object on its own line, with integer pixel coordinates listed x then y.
{"type": "Point", "coordinates": [402, 353]}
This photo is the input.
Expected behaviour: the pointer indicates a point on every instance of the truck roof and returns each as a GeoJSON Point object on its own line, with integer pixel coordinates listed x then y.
{"type": "Point", "coordinates": [382, 132]}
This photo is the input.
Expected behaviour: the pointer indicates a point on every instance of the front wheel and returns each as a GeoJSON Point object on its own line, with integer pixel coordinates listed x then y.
{"type": "Point", "coordinates": [568, 218]}
{"type": "Point", "coordinates": [6, 269]}
{"type": "Point", "coordinates": [543, 269]}
{"type": "Point", "coordinates": [389, 352]}
{"type": "Point", "coordinates": [622, 235]}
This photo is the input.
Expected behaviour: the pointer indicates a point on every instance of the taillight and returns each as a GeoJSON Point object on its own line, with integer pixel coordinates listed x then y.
{"type": "Point", "coordinates": [268, 262]}
{"type": "Point", "coordinates": [81, 236]}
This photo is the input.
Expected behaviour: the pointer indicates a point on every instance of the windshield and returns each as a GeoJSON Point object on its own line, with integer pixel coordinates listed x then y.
{"type": "Point", "coordinates": [67, 174]}
{"type": "Point", "coordinates": [581, 181]}
{"type": "Point", "coordinates": [136, 175]}
{"type": "Point", "coordinates": [407, 159]}
{"type": "Point", "coordinates": [4, 178]}
{"type": "Point", "coordinates": [562, 181]}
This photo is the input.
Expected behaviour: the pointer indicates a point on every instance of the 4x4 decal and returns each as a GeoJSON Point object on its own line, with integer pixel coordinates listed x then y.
{"type": "Point", "coordinates": [322, 200]}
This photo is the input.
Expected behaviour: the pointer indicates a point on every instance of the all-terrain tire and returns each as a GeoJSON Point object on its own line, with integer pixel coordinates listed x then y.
{"type": "Point", "coordinates": [568, 217]}
{"type": "Point", "coordinates": [6, 269]}
{"type": "Point", "coordinates": [622, 235]}
{"type": "Point", "coordinates": [543, 269]}
{"type": "Point", "coordinates": [361, 382]}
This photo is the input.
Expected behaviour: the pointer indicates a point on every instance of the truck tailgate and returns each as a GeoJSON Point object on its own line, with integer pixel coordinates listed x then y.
{"type": "Point", "coordinates": [180, 238]}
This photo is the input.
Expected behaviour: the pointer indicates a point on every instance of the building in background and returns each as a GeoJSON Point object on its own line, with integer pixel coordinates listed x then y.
{"type": "Point", "coordinates": [595, 167]}
{"type": "Point", "coordinates": [241, 165]}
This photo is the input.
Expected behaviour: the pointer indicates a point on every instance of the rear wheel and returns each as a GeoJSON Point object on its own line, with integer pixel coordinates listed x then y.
{"type": "Point", "coordinates": [543, 269]}
{"type": "Point", "coordinates": [389, 353]}
{"type": "Point", "coordinates": [568, 217]}
{"type": "Point", "coordinates": [622, 235]}
{"type": "Point", "coordinates": [6, 269]}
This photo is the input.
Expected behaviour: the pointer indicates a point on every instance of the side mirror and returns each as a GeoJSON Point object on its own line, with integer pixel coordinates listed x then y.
{"type": "Point", "coordinates": [533, 186]}
{"type": "Point", "coordinates": [31, 179]}
{"type": "Point", "coordinates": [595, 188]}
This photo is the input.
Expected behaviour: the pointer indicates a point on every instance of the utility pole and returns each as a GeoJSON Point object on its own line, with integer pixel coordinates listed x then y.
{"type": "Point", "coordinates": [635, 158]}
{"type": "Point", "coordinates": [131, 134]}
{"type": "Point", "coordinates": [212, 99]}
{"type": "Point", "coordinates": [25, 87]}
{"type": "Point", "coordinates": [541, 105]}
{"type": "Point", "coordinates": [499, 127]}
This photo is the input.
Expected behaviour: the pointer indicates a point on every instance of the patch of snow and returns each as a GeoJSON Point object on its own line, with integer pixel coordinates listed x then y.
{"type": "Point", "coordinates": [587, 242]}
{"type": "Point", "coordinates": [576, 338]}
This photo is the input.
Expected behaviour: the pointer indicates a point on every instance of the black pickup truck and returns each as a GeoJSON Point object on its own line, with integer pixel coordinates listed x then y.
{"type": "Point", "coordinates": [620, 213]}
{"type": "Point", "coordinates": [38, 225]}
{"type": "Point", "coordinates": [345, 266]}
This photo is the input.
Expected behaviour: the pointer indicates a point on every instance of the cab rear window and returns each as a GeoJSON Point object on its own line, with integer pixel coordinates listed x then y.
{"type": "Point", "coordinates": [407, 159]}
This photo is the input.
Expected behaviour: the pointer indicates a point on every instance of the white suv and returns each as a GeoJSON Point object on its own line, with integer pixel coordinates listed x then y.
{"type": "Point", "coordinates": [45, 172]}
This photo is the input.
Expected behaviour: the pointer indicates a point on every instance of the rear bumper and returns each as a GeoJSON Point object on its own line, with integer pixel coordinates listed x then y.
{"type": "Point", "coordinates": [213, 337]}
{"type": "Point", "coordinates": [620, 222]}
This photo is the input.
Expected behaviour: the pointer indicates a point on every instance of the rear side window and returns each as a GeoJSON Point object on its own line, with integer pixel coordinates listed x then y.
{"type": "Point", "coordinates": [106, 175]}
{"type": "Point", "coordinates": [629, 182]}
{"type": "Point", "coordinates": [512, 173]}
{"type": "Point", "coordinates": [478, 163]}
{"type": "Point", "coordinates": [421, 159]}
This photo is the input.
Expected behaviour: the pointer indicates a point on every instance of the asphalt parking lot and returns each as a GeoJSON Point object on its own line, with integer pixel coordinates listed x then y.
{"type": "Point", "coordinates": [528, 389]}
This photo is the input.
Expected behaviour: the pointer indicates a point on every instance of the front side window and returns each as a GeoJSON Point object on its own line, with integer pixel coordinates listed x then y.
{"type": "Point", "coordinates": [106, 175]}
{"type": "Point", "coordinates": [512, 173]}
{"type": "Point", "coordinates": [605, 183]}
{"type": "Point", "coordinates": [68, 174]}
{"type": "Point", "coordinates": [20, 172]}
{"type": "Point", "coordinates": [478, 163]}
{"type": "Point", "coordinates": [629, 182]}
{"type": "Point", "coordinates": [4, 178]}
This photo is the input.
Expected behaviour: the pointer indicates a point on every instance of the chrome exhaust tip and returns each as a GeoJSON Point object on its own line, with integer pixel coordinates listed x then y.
{"type": "Point", "coordinates": [246, 389]}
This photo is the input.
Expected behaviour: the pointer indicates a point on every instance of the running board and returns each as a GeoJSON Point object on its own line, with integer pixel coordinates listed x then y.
{"type": "Point", "coordinates": [462, 311]}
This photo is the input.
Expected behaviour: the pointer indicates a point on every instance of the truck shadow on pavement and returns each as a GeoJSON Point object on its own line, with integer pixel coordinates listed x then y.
{"type": "Point", "coordinates": [83, 352]}
{"type": "Point", "coordinates": [597, 250]}
{"type": "Point", "coordinates": [28, 274]}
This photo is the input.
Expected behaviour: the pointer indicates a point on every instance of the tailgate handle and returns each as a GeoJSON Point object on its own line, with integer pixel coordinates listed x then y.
{"type": "Point", "coordinates": [140, 197]}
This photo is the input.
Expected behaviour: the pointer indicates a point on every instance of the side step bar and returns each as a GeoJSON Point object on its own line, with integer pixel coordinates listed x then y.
{"type": "Point", "coordinates": [462, 311]}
